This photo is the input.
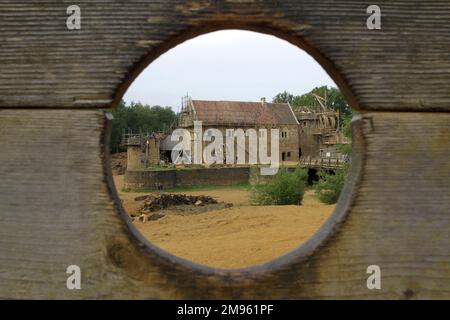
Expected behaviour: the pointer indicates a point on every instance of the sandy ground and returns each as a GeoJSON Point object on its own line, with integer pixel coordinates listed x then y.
{"type": "Point", "coordinates": [235, 237]}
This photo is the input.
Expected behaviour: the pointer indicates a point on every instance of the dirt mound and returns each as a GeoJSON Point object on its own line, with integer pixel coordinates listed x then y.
{"type": "Point", "coordinates": [119, 163]}
{"type": "Point", "coordinates": [158, 202]}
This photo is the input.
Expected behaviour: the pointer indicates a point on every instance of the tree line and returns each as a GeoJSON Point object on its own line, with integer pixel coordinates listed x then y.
{"type": "Point", "coordinates": [139, 118]}
{"type": "Point", "coordinates": [334, 100]}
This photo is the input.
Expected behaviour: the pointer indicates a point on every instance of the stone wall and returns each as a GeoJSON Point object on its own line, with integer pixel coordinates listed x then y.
{"type": "Point", "coordinates": [185, 177]}
{"type": "Point", "coordinates": [289, 143]}
{"type": "Point", "coordinates": [145, 179]}
{"type": "Point", "coordinates": [134, 161]}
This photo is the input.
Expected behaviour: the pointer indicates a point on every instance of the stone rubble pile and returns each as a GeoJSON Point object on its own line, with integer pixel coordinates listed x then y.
{"type": "Point", "coordinates": [158, 202]}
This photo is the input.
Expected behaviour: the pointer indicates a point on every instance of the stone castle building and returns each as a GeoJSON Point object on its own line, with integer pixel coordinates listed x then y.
{"type": "Point", "coordinates": [319, 134]}
{"type": "Point", "coordinates": [306, 135]}
{"type": "Point", "coordinates": [223, 115]}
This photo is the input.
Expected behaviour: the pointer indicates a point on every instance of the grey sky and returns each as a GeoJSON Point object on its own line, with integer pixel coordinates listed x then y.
{"type": "Point", "coordinates": [227, 65]}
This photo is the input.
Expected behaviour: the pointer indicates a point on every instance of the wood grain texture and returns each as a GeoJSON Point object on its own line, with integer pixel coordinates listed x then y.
{"type": "Point", "coordinates": [403, 66]}
{"type": "Point", "coordinates": [56, 210]}
{"type": "Point", "coordinates": [57, 206]}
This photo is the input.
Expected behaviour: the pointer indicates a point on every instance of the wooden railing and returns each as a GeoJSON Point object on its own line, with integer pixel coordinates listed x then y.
{"type": "Point", "coordinates": [322, 162]}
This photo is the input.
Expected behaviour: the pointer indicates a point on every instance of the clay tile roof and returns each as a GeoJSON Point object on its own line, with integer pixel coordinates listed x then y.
{"type": "Point", "coordinates": [243, 113]}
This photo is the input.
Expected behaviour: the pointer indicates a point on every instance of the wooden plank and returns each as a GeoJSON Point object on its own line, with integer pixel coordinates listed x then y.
{"type": "Point", "coordinates": [403, 66]}
{"type": "Point", "coordinates": [57, 209]}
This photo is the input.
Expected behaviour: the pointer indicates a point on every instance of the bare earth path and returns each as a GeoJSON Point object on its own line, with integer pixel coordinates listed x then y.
{"type": "Point", "coordinates": [235, 237]}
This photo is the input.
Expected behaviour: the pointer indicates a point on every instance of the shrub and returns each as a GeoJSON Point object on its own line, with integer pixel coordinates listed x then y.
{"type": "Point", "coordinates": [329, 186]}
{"type": "Point", "coordinates": [284, 188]}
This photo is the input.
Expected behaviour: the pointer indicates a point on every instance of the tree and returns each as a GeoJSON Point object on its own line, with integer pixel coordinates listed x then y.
{"type": "Point", "coordinates": [334, 97]}
{"type": "Point", "coordinates": [284, 97]}
{"type": "Point", "coordinates": [139, 118]}
{"type": "Point", "coordinates": [347, 131]}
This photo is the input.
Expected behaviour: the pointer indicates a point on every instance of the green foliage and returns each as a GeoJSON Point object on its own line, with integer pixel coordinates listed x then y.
{"type": "Point", "coordinates": [329, 186]}
{"type": "Point", "coordinates": [284, 97]}
{"type": "Point", "coordinates": [284, 188]}
{"type": "Point", "coordinates": [137, 118]}
{"type": "Point", "coordinates": [347, 125]}
{"type": "Point", "coordinates": [335, 99]}
{"type": "Point", "coordinates": [347, 131]}
{"type": "Point", "coordinates": [345, 149]}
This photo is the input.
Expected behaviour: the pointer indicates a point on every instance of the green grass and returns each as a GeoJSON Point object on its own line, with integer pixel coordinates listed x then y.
{"type": "Point", "coordinates": [237, 186]}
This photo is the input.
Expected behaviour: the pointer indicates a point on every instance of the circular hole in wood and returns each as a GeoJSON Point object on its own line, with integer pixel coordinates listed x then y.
{"type": "Point", "coordinates": [231, 150]}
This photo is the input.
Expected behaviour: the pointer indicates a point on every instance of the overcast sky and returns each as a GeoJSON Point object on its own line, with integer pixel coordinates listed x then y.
{"type": "Point", "coordinates": [227, 65]}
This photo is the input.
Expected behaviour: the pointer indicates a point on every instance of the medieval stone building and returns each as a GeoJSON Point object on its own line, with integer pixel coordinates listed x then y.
{"type": "Point", "coordinates": [309, 135]}
{"type": "Point", "coordinates": [223, 115]}
{"type": "Point", "coordinates": [142, 150]}
{"type": "Point", "coordinates": [319, 134]}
